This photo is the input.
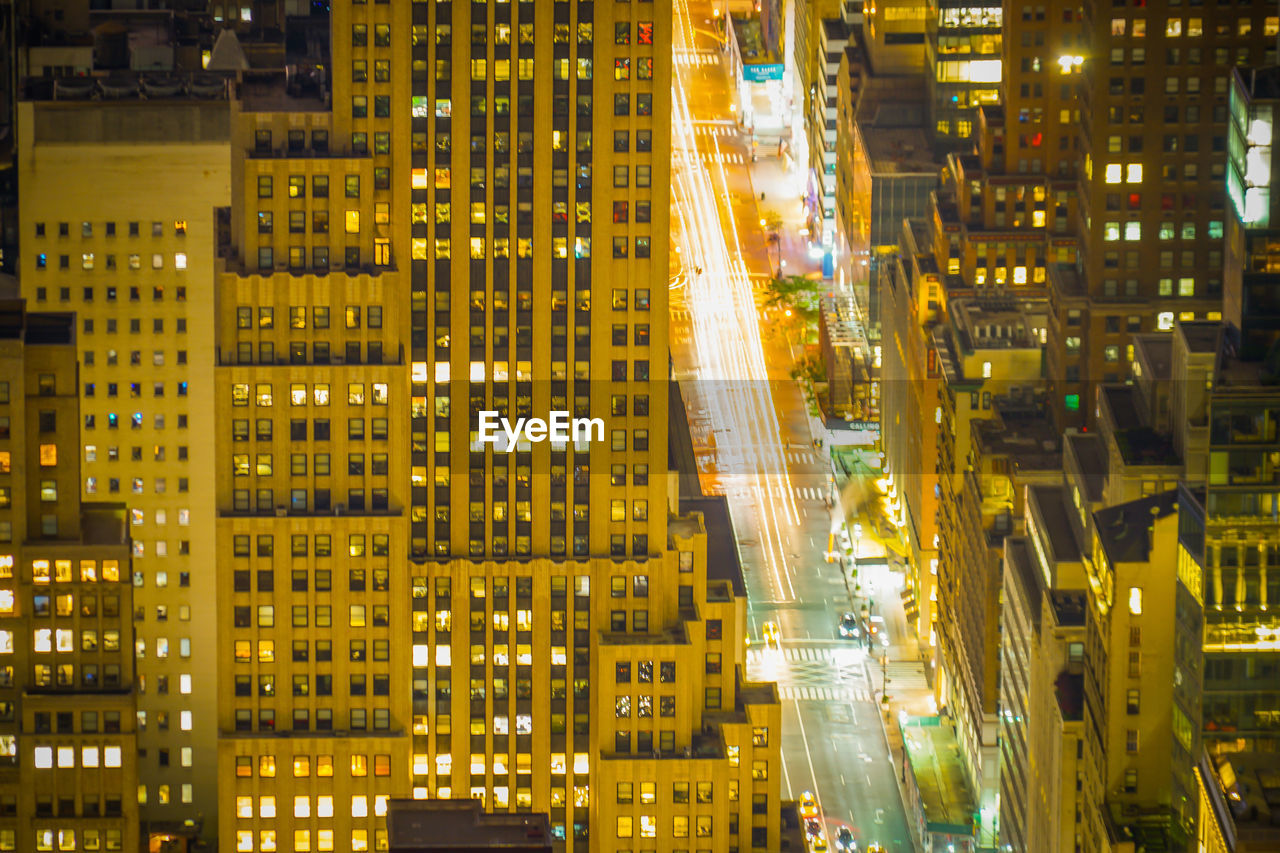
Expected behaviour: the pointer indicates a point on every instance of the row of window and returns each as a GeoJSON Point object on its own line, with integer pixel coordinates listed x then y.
{"type": "Point", "coordinates": [135, 389]}
{"type": "Point", "coordinates": [358, 650]}
{"type": "Point", "coordinates": [135, 325]}
{"type": "Point", "coordinates": [357, 685]}
{"type": "Point", "coordinates": [88, 261]}
{"type": "Point", "coordinates": [263, 465]}
{"type": "Point", "coordinates": [65, 838]}
{"type": "Point", "coordinates": [297, 318]}
{"type": "Point", "coordinates": [135, 229]}
{"type": "Point", "coordinates": [358, 616]}
{"type": "Point", "coordinates": [113, 292]}
{"type": "Point", "coordinates": [648, 826]}
{"type": "Point", "coordinates": [303, 765]}
{"type": "Point", "coordinates": [303, 806]}
{"type": "Point", "coordinates": [302, 840]}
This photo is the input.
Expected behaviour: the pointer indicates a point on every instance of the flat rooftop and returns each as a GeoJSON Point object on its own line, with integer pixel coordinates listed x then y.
{"type": "Point", "coordinates": [1123, 530]}
{"type": "Point", "coordinates": [1202, 336]}
{"type": "Point", "coordinates": [414, 825]}
{"type": "Point", "coordinates": [1261, 84]}
{"type": "Point", "coordinates": [898, 150]}
{"type": "Point", "coordinates": [993, 324]}
{"type": "Point", "coordinates": [1246, 792]}
{"type": "Point", "coordinates": [1050, 504]}
{"type": "Point", "coordinates": [1022, 572]}
{"type": "Point", "coordinates": [1031, 443]}
{"type": "Point", "coordinates": [933, 754]}
{"type": "Point", "coordinates": [1068, 281]}
{"type": "Point", "coordinates": [722, 541]}
{"type": "Point", "coordinates": [1155, 352]}
{"type": "Point", "coordinates": [1137, 442]}
{"type": "Point", "coordinates": [35, 327]}
{"type": "Point", "coordinates": [1068, 607]}
{"type": "Point", "coordinates": [1091, 458]}
{"type": "Point", "coordinates": [103, 524]}
{"type": "Point", "coordinates": [750, 39]}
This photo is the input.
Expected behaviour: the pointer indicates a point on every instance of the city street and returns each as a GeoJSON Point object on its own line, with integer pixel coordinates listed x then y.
{"type": "Point", "coordinates": [753, 443]}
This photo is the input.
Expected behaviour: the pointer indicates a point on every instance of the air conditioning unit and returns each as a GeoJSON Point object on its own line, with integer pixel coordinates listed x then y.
{"type": "Point", "coordinates": [281, 512]}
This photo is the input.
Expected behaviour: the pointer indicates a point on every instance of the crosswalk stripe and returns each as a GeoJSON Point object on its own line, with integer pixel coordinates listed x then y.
{"type": "Point", "coordinates": [801, 693]}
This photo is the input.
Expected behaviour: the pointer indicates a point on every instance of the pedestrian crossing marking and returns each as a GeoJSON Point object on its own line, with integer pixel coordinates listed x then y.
{"type": "Point", "coordinates": [804, 654]}
{"type": "Point", "coordinates": [688, 59]}
{"type": "Point", "coordinates": [721, 157]}
{"type": "Point", "coordinates": [823, 694]}
{"type": "Point", "coordinates": [715, 132]}
{"type": "Point", "coordinates": [906, 675]}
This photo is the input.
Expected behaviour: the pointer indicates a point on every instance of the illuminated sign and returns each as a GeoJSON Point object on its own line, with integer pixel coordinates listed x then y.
{"type": "Point", "coordinates": [762, 73]}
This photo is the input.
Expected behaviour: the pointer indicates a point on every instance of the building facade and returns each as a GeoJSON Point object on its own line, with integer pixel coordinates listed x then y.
{"type": "Point", "coordinates": [69, 746]}
{"type": "Point", "coordinates": [104, 235]}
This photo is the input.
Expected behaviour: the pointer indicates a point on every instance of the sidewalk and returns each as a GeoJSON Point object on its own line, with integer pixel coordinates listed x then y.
{"type": "Point", "coordinates": [911, 696]}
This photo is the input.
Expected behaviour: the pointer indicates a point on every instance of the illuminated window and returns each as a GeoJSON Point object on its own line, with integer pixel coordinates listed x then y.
{"type": "Point", "coordinates": [1113, 172]}
{"type": "Point", "coordinates": [1133, 174]}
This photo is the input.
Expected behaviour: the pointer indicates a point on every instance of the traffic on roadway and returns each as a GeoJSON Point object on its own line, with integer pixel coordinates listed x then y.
{"type": "Point", "coordinates": [752, 438]}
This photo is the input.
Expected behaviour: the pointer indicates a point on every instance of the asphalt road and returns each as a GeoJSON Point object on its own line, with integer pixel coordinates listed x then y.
{"type": "Point", "coordinates": [753, 443]}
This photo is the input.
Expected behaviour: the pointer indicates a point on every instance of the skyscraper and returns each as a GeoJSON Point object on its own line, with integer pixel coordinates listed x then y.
{"type": "Point", "coordinates": [68, 745]}
{"type": "Point", "coordinates": [1152, 201]}
{"type": "Point", "coordinates": [458, 620]}
{"type": "Point", "coordinates": [105, 235]}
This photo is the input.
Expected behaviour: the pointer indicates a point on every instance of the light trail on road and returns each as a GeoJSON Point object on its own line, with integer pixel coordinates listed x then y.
{"type": "Point", "coordinates": [733, 377]}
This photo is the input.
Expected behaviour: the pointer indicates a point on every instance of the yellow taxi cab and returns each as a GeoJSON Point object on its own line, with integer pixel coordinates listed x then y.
{"type": "Point", "coordinates": [772, 636]}
{"type": "Point", "coordinates": [808, 805]}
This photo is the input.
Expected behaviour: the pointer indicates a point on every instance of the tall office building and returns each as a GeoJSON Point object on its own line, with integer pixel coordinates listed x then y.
{"type": "Point", "coordinates": [962, 65]}
{"type": "Point", "coordinates": [68, 736]}
{"type": "Point", "coordinates": [121, 176]}
{"type": "Point", "coordinates": [469, 213]}
{"type": "Point", "coordinates": [312, 480]}
{"type": "Point", "coordinates": [992, 442]}
{"type": "Point", "coordinates": [1152, 202]}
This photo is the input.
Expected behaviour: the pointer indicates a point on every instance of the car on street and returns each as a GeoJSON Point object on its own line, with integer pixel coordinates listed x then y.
{"type": "Point", "coordinates": [818, 843]}
{"type": "Point", "coordinates": [772, 636]}
{"type": "Point", "coordinates": [848, 627]}
{"type": "Point", "coordinates": [808, 805]}
{"type": "Point", "coordinates": [876, 628]}
{"type": "Point", "coordinates": [812, 826]}
{"type": "Point", "coordinates": [875, 847]}
{"type": "Point", "coordinates": [845, 842]}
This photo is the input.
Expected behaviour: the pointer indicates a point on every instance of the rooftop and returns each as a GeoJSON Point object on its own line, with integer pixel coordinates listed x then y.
{"type": "Point", "coordinates": [1138, 443]}
{"type": "Point", "coordinates": [1091, 459]}
{"type": "Point", "coordinates": [1021, 575]}
{"type": "Point", "coordinates": [835, 29]}
{"type": "Point", "coordinates": [938, 768]}
{"type": "Point", "coordinates": [1053, 518]}
{"type": "Point", "coordinates": [34, 327]}
{"type": "Point", "coordinates": [722, 542]}
{"type": "Point", "coordinates": [1245, 793]}
{"type": "Point", "coordinates": [414, 825]}
{"type": "Point", "coordinates": [898, 150]}
{"type": "Point", "coordinates": [1125, 530]}
{"type": "Point", "coordinates": [1069, 691]}
{"type": "Point", "coordinates": [750, 39]}
{"type": "Point", "coordinates": [993, 324]}
{"type": "Point", "coordinates": [1030, 442]}
{"type": "Point", "coordinates": [1154, 350]}
{"type": "Point", "coordinates": [1068, 281]}
{"type": "Point", "coordinates": [1261, 83]}
{"type": "Point", "coordinates": [1202, 336]}
{"type": "Point", "coordinates": [1068, 607]}
{"type": "Point", "coordinates": [103, 524]}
